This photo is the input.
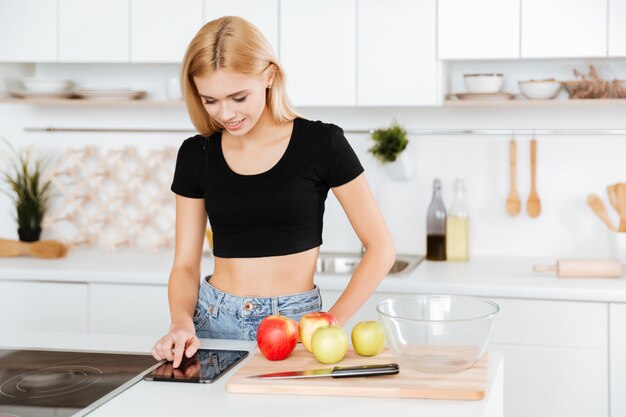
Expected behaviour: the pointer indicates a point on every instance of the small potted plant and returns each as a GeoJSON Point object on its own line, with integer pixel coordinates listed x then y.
{"type": "Point", "coordinates": [388, 148]}
{"type": "Point", "coordinates": [30, 194]}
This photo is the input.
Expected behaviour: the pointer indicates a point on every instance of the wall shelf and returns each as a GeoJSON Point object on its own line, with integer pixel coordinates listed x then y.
{"type": "Point", "coordinates": [89, 102]}
{"type": "Point", "coordinates": [535, 103]}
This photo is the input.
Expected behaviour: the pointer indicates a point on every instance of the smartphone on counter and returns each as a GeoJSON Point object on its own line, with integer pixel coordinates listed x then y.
{"type": "Point", "coordinates": [204, 367]}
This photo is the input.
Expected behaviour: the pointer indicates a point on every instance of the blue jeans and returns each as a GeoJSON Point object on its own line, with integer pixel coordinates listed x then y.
{"type": "Point", "coordinates": [220, 315]}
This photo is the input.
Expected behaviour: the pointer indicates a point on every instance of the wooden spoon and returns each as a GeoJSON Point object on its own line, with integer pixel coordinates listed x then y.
{"type": "Point", "coordinates": [597, 206]}
{"type": "Point", "coordinates": [611, 190]}
{"type": "Point", "coordinates": [513, 203]}
{"type": "Point", "coordinates": [621, 206]}
{"type": "Point", "coordinates": [533, 205]}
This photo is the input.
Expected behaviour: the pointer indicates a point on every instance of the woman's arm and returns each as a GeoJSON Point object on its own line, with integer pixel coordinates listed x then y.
{"type": "Point", "coordinates": [184, 281]}
{"type": "Point", "coordinates": [367, 221]}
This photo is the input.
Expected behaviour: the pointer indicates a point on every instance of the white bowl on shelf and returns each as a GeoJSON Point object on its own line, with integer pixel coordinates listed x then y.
{"type": "Point", "coordinates": [45, 85]}
{"type": "Point", "coordinates": [540, 89]}
{"type": "Point", "coordinates": [483, 83]}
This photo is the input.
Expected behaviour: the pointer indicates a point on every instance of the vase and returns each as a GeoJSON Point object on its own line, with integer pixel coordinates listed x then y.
{"type": "Point", "coordinates": [29, 235]}
{"type": "Point", "coordinates": [401, 169]}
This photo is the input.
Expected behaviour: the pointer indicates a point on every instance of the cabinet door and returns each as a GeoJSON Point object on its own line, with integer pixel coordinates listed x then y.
{"type": "Point", "coordinates": [564, 28]}
{"type": "Point", "coordinates": [93, 31]}
{"type": "Point", "coordinates": [318, 51]}
{"type": "Point", "coordinates": [160, 30]}
{"type": "Point", "coordinates": [28, 29]}
{"type": "Point", "coordinates": [617, 359]}
{"type": "Point", "coordinates": [617, 28]}
{"type": "Point", "coordinates": [397, 64]}
{"type": "Point", "coordinates": [128, 309]}
{"type": "Point", "coordinates": [261, 13]}
{"type": "Point", "coordinates": [43, 306]}
{"type": "Point", "coordinates": [478, 29]}
{"type": "Point", "coordinates": [546, 381]}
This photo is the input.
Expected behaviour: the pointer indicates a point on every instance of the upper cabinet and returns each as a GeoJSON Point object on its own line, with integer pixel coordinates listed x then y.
{"type": "Point", "coordinates": [261, 13]}
{"type": "Point", "coordinates": [28, 29]}
{"type": "Point", "coordinates": [564, 28]}
{"type": "Point", "coordinates": [160, 30]}
{"type": "Point", "coordinates": [318, 51]}
{"type": "Point", "coordinates": [93, 31]}
{"type": "Point", "coordinates": [478, 29]}
{"type": "Point", "coordinates": [397, 62]}
{"type": "Point", "coordinates": [617, 28]}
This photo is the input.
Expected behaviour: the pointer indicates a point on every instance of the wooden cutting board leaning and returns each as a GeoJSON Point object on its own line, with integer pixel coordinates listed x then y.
{"type": "Point", "coordinates": [470, 384]}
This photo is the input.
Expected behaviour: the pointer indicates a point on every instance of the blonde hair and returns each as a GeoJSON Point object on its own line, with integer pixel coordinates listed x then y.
{"type": "Point", "coordinates": [231, 43]}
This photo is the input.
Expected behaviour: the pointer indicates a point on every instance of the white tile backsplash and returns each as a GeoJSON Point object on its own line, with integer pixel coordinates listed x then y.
{"type": "Point", "coordinates": [568, 168]}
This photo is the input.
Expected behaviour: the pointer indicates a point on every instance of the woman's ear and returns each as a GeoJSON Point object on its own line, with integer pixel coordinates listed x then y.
{"type": "Point", "coordinates": [271, 74]}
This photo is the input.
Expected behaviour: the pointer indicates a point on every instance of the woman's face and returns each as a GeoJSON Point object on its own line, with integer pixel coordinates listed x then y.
{"type": "Point", "coordinates": [234, 100]}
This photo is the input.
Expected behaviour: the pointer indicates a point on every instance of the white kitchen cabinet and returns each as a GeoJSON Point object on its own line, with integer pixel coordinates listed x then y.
{"type": "Point", "coordinates": [28, 31]}
{"type": "Point", "coordinates": [478, 29]}
{"type": "Point", "coordinates": [564, 28]}
{"type": "Point", "coordinates": [617, 28]}
{"type": "Point", "coordinates": [544, 381]}
{"type": "Point", "coordinates": [261, 13]}
{"type": "Point", "coordinates": [318, 51]}
{"type": "Point", "coordinates": [160, 30]}
{"type": "Point", "coordinates": [43, 306]}
{"type": "Point", "coordinates": [93, 31]}
{"type": "Point", "coordinates": [617, 358]}
{"type": "Point", "coordinates": [397, 62]}
{"type": "Point", "coordinates": [128, 309]}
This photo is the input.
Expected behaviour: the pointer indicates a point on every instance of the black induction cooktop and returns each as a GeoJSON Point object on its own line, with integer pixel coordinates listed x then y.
{"type": "Point", "coordinates": [34, 383]}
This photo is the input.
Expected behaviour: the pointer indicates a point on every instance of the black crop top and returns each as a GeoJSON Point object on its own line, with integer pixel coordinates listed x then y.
{"type": "Point", "coordinates": [277, 212]}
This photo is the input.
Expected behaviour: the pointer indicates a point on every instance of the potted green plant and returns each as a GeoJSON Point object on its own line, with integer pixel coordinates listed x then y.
{"type": "Point", "coordinates": [30, 193]}
{"type": "Point", "coordinates": [388, 148]}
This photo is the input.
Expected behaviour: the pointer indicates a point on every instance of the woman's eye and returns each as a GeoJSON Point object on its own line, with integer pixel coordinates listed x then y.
{"type": "Point", "coordinates": [209, 102]}
{"type": "Point", "coordinates": [240, 100]}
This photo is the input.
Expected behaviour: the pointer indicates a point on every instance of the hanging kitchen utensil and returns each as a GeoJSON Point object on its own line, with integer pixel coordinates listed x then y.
{"type": "Point", "coordinates": [513, 203]}
{"type": "Point", "coordinates": [597, 206]}
{"type": "Point", "coordinates": [584, 268]}
{"type": "Point", "coordinates": [621, 205]}
{"type": "Point", "coordinates": [533, 205]}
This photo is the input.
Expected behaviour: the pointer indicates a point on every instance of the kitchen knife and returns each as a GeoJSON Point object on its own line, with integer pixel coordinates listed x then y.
{"type": "Point", "coordinates": [336, 372]}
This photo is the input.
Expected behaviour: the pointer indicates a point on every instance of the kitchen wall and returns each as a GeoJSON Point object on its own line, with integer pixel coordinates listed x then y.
{"type": "Point", "coordinates": [568, 168]}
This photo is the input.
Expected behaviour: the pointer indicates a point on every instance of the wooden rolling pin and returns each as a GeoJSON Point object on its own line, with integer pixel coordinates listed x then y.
{"type": "Point", "coordinates": [584, 268]}
{"type": "Point", "coordinates": [49, 249]}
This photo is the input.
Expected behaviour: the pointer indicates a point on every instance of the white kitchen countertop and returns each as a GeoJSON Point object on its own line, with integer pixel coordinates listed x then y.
{"type": "Point", "coordinates": [171, 398]}
{"type": "Point", "coordinates": [491, 277]}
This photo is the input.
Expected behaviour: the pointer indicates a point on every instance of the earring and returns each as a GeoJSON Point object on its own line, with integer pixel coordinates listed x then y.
{"type": "Point", "coordinates": [269, 86]}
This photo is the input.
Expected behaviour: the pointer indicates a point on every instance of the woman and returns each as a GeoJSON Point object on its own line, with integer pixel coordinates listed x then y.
{"type": "Point", "coordinates": [262, 174]}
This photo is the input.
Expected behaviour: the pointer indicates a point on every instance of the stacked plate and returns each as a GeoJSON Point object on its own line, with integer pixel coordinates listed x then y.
{"type": "Point", "coordinates": [37, 87]}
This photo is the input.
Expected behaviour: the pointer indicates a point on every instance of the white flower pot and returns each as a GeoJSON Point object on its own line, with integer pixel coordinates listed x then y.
{"type": "Point", "coordinates": [401, 169]}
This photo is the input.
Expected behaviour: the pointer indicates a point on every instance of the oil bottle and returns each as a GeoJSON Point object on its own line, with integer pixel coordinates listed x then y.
{"type": "Point", "coordinates": [457, 226]}
{"type": "Point", "coordinates": [436, 226]}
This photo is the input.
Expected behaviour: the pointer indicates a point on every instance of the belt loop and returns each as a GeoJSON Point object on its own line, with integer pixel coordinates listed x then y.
{"type": "Point", "coordinates": [274, 305]}
{"type": "Point", "coordinates": [218, 301]}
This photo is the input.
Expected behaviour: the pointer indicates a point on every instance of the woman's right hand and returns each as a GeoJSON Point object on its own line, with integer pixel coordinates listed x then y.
{"type": "Point", "coordinates": [181, 339]}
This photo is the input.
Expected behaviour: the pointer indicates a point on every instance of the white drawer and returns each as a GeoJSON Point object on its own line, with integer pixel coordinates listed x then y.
{"type": "Point", "coordinates": [551, 323]}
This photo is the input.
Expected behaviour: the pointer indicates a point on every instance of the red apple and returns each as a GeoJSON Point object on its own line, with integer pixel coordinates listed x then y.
{"type": "Point", "coordinates": [277, 337]}
{"type": "Point", "coordinates": [310, 322]}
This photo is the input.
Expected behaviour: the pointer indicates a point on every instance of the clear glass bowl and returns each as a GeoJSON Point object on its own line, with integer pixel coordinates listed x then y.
{"type": "Point", "coordinates": [437, 333]}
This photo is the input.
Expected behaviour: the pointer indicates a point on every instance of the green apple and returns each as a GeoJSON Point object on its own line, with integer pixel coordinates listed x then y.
{"type": "Point", "coordinates": [368, 338]}
{"type": "Point", "coordinates": [329, 344]}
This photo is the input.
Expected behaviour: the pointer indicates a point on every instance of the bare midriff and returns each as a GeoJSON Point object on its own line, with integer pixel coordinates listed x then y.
{"type": "Point", "coordinates": [266, 277]}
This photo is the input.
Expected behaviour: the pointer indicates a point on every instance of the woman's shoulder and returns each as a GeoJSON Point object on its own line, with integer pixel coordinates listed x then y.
{"type": "Point", "coordinates": [194, 145]}
{"type": "Point", "coordinates": [319, 130]}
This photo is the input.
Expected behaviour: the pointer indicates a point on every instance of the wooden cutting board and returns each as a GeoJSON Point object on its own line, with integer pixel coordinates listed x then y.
{"type": "Point", "coordinates": [465, 385]}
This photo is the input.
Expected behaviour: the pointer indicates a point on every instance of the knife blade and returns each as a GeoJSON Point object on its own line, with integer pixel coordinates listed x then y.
{"type": "Point", "coordinates": [335, 372]}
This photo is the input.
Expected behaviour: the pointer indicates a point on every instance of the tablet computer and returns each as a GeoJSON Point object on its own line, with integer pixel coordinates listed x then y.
{"type": "Point", "coordinates": [206, 366]}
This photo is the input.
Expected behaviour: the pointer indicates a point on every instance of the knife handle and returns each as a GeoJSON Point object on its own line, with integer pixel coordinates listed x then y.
{"type": "Point", "coordinates": [365, 370]}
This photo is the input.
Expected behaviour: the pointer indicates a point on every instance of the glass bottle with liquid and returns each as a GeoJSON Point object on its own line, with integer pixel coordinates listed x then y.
{"type": "Point", "coordinates": [436, 226]}
{"type": "Point", "coordinates": [457, 226]}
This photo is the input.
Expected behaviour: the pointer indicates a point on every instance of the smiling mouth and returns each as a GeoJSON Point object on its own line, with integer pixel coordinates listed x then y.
{"type": "Point", "coordinates": [234, 124]}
